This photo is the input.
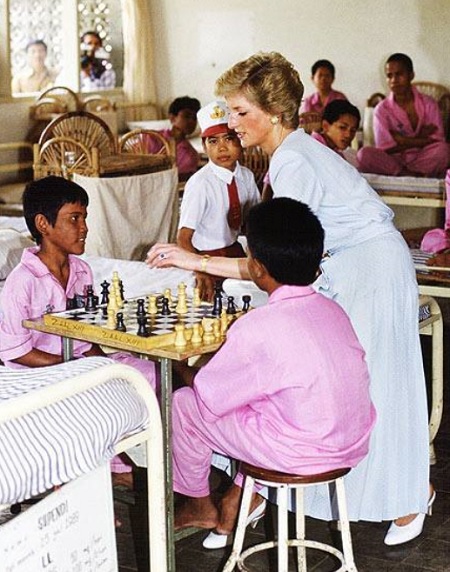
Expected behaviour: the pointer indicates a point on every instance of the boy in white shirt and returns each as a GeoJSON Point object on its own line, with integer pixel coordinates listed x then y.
{"type": "Point", "coordinates": [218, 196]}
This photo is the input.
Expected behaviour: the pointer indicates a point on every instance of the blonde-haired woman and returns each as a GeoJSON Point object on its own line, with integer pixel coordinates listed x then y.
{"type": "Point", "coordinates": [367, 269]}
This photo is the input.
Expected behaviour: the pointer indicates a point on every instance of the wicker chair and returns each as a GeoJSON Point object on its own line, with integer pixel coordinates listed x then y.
{"type": "Point", "coordinates": [97, 104]}
{"type": "Point", "coordinates": [147, 142]}
{"type": "Point", "coordinates": [434, 90]}
{"type": "Point", "coordinates": [255, 159]}
{"type": "Point", "coordinates": [84, 127]}
{"type": "Point", "coordinates": [310, 121]}
{"type": "Point", "coordinates": [64, 156]}
{"type": "Point", "coordinates": [54, 101]}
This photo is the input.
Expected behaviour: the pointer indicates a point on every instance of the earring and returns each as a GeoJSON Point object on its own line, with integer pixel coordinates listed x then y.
{"type": "Point", "coordinates": [274, 120]}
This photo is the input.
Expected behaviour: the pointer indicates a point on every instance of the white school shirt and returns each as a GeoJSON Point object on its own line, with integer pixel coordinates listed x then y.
{"type": "Point", "coordinates": [205, 204]}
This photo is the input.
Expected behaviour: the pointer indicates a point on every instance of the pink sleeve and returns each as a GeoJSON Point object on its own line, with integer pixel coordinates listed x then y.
{"type": "Point", "coordinates": [433, 117]}
{"type": "Point", "coordinates": [381, 126]}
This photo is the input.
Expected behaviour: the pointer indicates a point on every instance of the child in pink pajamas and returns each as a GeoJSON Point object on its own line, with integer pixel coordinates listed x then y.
{"type": "Point", "coordinates": [409, 135]}
{"type": "Point", "coordinates": [50, 277]}
{"type": "Point", "coordinates": [322, 74]}
{"type": "Point", "coordinates": [289, 389]}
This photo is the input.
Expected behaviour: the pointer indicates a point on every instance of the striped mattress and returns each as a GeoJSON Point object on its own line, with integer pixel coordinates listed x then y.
{"type": "Point", "coordinates": [58, 443]}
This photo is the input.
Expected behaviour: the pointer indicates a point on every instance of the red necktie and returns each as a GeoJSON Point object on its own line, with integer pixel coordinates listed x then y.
{"type": "Point", "coordinates": [234, 216]}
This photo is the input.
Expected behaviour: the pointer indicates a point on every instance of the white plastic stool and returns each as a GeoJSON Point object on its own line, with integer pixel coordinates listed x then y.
{"type": "Point", "coordinates": [284, 483]}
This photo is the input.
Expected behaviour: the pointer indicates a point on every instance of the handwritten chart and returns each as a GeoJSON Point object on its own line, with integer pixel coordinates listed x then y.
{"type": "Point", "coordinates": [70, 530]}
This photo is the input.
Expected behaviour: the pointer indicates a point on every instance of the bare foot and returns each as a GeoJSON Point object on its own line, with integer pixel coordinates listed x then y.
{"type": "Point", "coordinates": [198, 512]}
{"type": "Point", "coordinates": [229, 508]}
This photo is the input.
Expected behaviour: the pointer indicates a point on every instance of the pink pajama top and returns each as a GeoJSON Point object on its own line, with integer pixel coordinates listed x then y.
{"type": "Point", "coordinates": [187, 156]}
{"type": "Point", "coordinates": [293, 371]}
{"type": "Point", "coordinates": [313, 102]}
{"type": "Point", "coordinates": [389, 116]}
{"type": "Point", "coordinates": [29, 292]}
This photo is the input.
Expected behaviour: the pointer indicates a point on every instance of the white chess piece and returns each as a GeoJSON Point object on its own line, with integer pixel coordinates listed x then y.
{"type": "Point", "coordinates": [180, 338]}
{"type": "Point", "coordinates": [152, 306]}
{"type": "Point", "coordinates": [196, 339]}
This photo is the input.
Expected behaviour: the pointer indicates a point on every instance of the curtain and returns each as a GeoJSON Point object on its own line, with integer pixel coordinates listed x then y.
{"type": "Point", "coordinates": [138, 81]}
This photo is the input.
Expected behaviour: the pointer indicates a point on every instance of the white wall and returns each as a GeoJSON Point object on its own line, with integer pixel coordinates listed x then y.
{"type": "Point", "coordinates": [196, 40]}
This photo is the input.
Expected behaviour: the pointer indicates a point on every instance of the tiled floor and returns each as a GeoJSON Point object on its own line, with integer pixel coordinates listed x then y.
{"type": "Point", "coordinates": [428, 553]}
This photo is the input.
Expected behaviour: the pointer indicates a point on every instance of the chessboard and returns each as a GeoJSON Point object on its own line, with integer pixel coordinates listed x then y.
{"type": "Point", "coordinates": [156, 320]}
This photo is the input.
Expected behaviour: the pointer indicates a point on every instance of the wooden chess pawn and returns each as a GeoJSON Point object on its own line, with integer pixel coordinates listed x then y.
{"type": "Point", "coordinates": [180, 337]}
{"type": "Point", "coordinates": [223, 323]}
{"type": "Point", "coordinates": [111, 320]}
{"type": "Point", "coordinates": [216, 330]}
{"type": "Point", "coordinates": [152, 305]}
{"type": "Point", "coordinates": [196, 300]}
{"type": "Point", "coordinates": [208, 334]}
{"type": "Point", "coordinates": [196, 339]}
{"type": "Point", "coordinates": [168, 295]}
{"type": "Point", "coordinates": [181, 307]}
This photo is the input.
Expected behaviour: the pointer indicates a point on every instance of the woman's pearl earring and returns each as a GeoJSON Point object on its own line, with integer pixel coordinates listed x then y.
{"type": "Point", "coordinates": [274, 120]}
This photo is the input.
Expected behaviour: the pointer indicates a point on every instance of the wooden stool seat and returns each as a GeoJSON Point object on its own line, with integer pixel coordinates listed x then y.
{"type": "Point", "coordinates": [270, 475]}
{"type": "Point", "coordinates": [284, 484]}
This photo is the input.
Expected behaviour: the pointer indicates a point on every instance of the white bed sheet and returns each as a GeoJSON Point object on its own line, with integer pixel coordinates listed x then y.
{"type": "Point", "coordinates": [405, 184]}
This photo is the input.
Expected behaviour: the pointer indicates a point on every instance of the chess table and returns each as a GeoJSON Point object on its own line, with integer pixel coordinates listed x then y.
{"type": "Point", "coordinates": [165, 352]}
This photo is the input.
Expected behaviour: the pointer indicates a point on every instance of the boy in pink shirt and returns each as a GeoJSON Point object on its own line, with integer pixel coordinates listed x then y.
{"type": "Point", "coordinates": [288, 390]}
{"type": "Point", "coordinates": [408, 130]}
{"type": "Point", "coordinates": [183, 117]}
{"type": "Point", "coordinates": [340, 122]}
{"type": "Point", "coordinates": [51, 277]}
{"type": "Point", "coordinates": [322, 75]}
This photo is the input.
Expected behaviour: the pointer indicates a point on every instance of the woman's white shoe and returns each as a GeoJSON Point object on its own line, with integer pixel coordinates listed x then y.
{"type": "Point", "coordinates": [401, 534]}
{"type": "Point", "coordinates": [215, 540]}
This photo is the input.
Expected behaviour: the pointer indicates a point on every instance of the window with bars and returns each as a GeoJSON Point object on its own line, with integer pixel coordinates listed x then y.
{"type": "Point", "coordinates": [58, 56]}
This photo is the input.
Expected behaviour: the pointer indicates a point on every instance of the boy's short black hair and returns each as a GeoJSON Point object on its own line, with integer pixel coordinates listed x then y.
{"type": "Point", "coordinates": [92, 33]}
{"type": "Point", "coordinates": [287, 237]}
{"type": "Point", "coordinates": [46, 196]}
{"type": "Point", "coordinates": [339, 107]}
{"type": "Point", "coordinates": [184, 102]}
{"type": "Point", "coordinates": [323, 64]}
{"type": "Point", "coordinates": [403, 59]}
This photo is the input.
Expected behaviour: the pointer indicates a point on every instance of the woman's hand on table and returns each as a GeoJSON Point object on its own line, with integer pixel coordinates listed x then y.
{"type": "Point", "coordinates": [171, 255]}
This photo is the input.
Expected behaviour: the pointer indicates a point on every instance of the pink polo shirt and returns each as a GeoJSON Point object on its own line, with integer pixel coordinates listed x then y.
{"type": "Point", "coordinates": [389, 116]}
{"type": "Point", "coordinates": [29, 292]}
{"type": "Point", "coordinates": [313, 102]}
{"type": "Point", "coordinates": [294, 372]}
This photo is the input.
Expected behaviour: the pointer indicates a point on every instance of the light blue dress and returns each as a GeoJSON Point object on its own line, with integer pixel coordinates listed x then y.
{"type": "Point", "coordinates": [369, 272]}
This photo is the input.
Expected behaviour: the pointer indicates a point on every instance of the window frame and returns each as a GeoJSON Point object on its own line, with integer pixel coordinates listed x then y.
{"type": "Point", "coordinates": [70, 54]}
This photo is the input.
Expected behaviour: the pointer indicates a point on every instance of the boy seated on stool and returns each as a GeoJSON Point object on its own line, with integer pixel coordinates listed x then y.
{"type": "Point", "coordinates": [217, 198]}
{"type": "Point", "coordinates": [288, 390]}
{"type": "Point", "coordinates": [408, 129]}
{"type": "Point", "coordinates": [50, 278]}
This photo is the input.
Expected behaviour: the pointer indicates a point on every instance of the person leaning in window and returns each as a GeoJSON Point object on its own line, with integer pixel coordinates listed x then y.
{"type": "Point", "coordinates": [96, 71]}
{"type": "Point", "coordinates": [36, 76]}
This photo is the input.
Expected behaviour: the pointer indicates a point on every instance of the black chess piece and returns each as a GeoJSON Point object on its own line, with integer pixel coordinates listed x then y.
{"type": "Point", "coordinates": [120, 325]}
{"type": "Point", "coordinates": [121, 289]}
{"type": "Point", "coordinates": [165, 309]}
{"type": "Point", "coordinates": [143, 331]}
{"type": "Point", "coordinates": [246, 299]}
{"type": "Point", "coordinates": [105, 292]}
{"type": "Point", "coordinates": [91, 299]}
{"type": "Point", "coordinates": [217, 307]}
{"type": "Point", "coordinates": [141, 307]}
{"type": "Point", "coordinates": [231, 306]}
